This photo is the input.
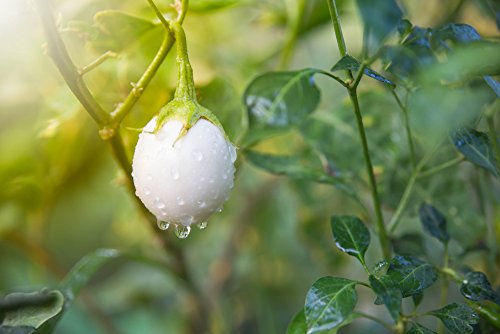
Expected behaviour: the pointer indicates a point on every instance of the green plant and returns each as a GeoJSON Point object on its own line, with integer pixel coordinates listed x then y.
{"type": "Point", "coordinates": [391, 153]}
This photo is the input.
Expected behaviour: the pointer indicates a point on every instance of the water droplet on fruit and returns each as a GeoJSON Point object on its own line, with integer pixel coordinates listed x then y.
{"type": "Point", "coordinates": [219, 209]}
{"type": "Point", "coordinates": [187, 220]}
{"type": "Point", "coordinates": [197, 155]}
{"type": "Point", "coordinates": [175, 173]}
{"type": "Point", "coordinates": [180, 201]}
{"type": "Point", "coordinates": [202, 225]}
{"type": "Point", "coordinates": [147, 191]}
{"type": "Point", "coordinates": [232, 153]}
{"type": "Point", "coordinates": [159, 204]}
{"type": "Point", "coordinates": [201, 204]}
{"type": "Point", "coordinates": [181, 231]}
{"type": "Point", "coordinates": [162, 225]}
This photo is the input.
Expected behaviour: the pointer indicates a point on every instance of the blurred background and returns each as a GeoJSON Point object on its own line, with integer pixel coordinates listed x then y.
{"type": "Point", "coordinates": [62, 196]}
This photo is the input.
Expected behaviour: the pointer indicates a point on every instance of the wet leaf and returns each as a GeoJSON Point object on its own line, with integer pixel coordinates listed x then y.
{"type": "Point", "coordinates": [281, 99]}
{"type": "Point", "coordinates": [31, 309]}
{"type": "Point", "coordinates": [387, 292]}
{"type": "Point", "coordinates": [411, 274]}
{"type": "Point", "coordinates": [476, 147]}
{"type": "Point", "coordinates": [350, 63]}
{"type": "Point", "coordinates": [379, 19]}
{"type": "Point", "coordinates": [434, 222]}
{"type": "Point", "coordinates": [458, 318]}
{"type": "Point", "coordinates": [419, 329]}
{"type": "Point", "coordinates": [476, 287]}
{"type": "Point", "coordinates": [295, 169]}
{"type": "Point", "coordinates": [298, 324]}
{"type": "Point", "coordinates": [329, 302]}
{"type": "Point", "coordinates": [351, 235]}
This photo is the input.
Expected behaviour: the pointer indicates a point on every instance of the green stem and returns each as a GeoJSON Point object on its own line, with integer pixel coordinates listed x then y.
{"type": "Point", "coordinates": [334, 14]}
{"type": "Point", "coordinates": [444, 285]}
{"type": "Point", "coordinates": [102, 58]}
{"type": "Point", "coordinates": [185, 84]}
{"type": "Point", "coordinates": [441, 167]}
{"type": "Point", "coordinates": [492, 133]}
{"type": "Point", "coordinates": [334, 77]}
{"type": "Point", "coordinates": [379, 222]}
{"type": "Point", "coordinates": [407, 127]}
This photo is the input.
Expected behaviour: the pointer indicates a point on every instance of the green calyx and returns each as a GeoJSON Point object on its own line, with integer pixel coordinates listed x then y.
{"type": "Point", "coordinates": [184, 106]}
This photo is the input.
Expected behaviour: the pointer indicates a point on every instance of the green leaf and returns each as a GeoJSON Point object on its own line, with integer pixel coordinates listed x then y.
{"type": "Point", "coordinates": [417, 298]}
{"type": "Point", "coordinates": [350, 63]}
{"type": "Point", "coordinates": [388, 292]}
{"type": "Point", "coordinates": [458, 318]}
{"type": "Point", "coordinates": [82, 272]}
{"type": "Point", "coordinates": [419, 329]}
{"type": "Point", "coordinates": [281, 99]}
{"type": "Point", "coordinates": [457, 32]}
{"type": "Point", "coordinates": [117, 30]}
{"type": "Point", "coordinates": [476, 147]}
{"type": "Point", "coordinates": [295, 169]}
{"type": "Point", "coordinates": [16, 330]}
{"type": "Point", "coordinates": [380, 18]}
{"type": "Point", "coordinates": [32, 309]}
{"type": "Point", "coordinates": [351, 236]}
{"type": "Point", "coordinates": [203, 6]}
{"type": "Point", "coordinates": [434, 222]}
{"type": "Point", "coordinates": [476, 287]}
{"type": "Point", "coordinates": [298, 324]}
{"type": "Point", "coordinates": [411, 274]}
{"type": "Point", "coordinates": [329, 302]}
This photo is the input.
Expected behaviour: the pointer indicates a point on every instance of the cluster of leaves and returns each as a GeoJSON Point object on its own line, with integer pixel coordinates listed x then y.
{"type": "Point", "coordinates": [437, 70]}
{"type": "Point", "coordinates": [331, 301]}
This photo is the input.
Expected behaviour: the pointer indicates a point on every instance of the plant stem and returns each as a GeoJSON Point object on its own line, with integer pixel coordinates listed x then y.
{"type": "Point", "coordinates": [98, 61]}
{"type": "Point", "coordinates": [408, 129]}
{"type": "Point", "coordinates": [441, 167]}
{"type": "Point", "coordinates": [444, 286]}
{"type": "Point", "coordinates": [334, 14]}
{"type": "Point", "coordinates": [57, 51]}
{"type": "Point", "coordinates": [379, 222]}
{"type": "Point", "coordinates": [492, 132]}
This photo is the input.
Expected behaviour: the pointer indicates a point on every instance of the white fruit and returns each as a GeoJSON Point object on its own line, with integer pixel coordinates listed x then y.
{"type": "Point", "coordinates": [183, 183]}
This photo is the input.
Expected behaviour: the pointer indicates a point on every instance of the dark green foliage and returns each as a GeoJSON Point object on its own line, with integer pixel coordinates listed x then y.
{"type": "Point", "coordinates": [476, 287]}
{"type": "Point", "coordinates": [329, 302]}
{"type": "Point", "coordinates": [298, 324]}
{"type": "Point", "coordinates": [350, 63]}
{"type": "Point", "coordinates": [411, 274]}
{"type": "Point", "coordinates": [458, 318]}
{"type": "Point", "coordinates": [351, 235]}
{"type": "Point", "coordinates": [434, 222]}
{"type": "Point", "coordinates": [476, 147]}
{"type": "Point", "coordinates": [419, 329]}
{"type": "Point", "coordinates": [388, 293]}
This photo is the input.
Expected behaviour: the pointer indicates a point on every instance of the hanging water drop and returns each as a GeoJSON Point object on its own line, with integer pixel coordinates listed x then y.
{"type": "Point", "coordinates": [181, 231]}
{"type": "Point", "coordinates": [202, 225]}
{"type": "Point", "coordinates": [162, 225]}
{"type": "Point", "coordinates": [219, 209]}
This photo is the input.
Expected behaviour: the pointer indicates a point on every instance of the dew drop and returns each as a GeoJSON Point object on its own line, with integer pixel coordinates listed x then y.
{"type": "Point", "coordinates": [197, 155]}
{"type": "Point", "coordinates": [202, 225]}
{"type": "Point", "coordinates": [147, 191]}
{"type": "Point", "coordinates": [180, 201]}
{"type": "Point", "coordinates": [232, 153]}
{"type": "Point", "coordinates": [174, 173]}
{"type": "Point", "coordinates": [201, 204]}
{"type": "Point", "coordinates": [219, 209]}
{"type": "Point", "coordinates": [162, 225]}
{"type": "Point", "coordinates": [159, 204]}
{"type": "Point", "coordinates": [181, 231]}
